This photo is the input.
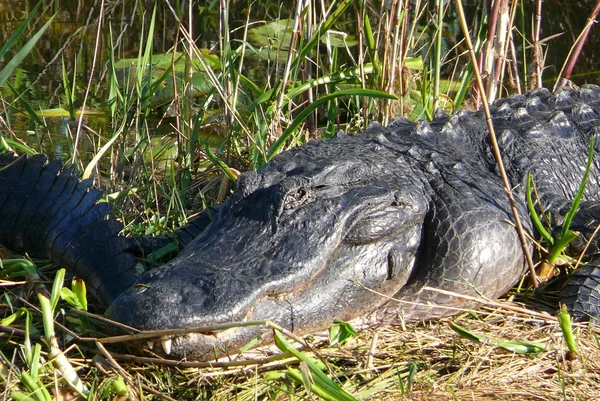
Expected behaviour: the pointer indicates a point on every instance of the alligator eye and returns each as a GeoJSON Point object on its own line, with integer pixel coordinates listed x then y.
{"type": "Point", "coordinates": [297, 198]}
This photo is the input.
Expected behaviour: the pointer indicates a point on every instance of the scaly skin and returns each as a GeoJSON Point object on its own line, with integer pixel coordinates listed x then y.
{"type": "Point", "coordinates": [335, 228]}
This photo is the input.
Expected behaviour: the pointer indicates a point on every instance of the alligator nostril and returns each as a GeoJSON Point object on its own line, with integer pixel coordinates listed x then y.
{"type": "Point", "coordinates": [392, 260]}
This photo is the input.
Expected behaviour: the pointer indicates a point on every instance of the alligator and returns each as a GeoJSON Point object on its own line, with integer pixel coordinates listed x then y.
{"type": "Point", "coordinates": [401, 223]}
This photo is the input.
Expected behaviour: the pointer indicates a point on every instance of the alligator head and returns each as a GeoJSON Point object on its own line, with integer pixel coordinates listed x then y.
{"type": "Point", "coordinates": [301, 242]}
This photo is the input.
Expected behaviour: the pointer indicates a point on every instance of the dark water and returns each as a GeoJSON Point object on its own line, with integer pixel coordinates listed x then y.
{"type": "Point", "coordinates": [72, 39]}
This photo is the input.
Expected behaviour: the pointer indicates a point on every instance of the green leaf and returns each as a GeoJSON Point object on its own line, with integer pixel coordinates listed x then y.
{"type": "Point", "coordinates": [220, 163]}
{"type": "Point", "coordinates": [323, 385]}
{"type": "Point", "coordinates": [29, 111]}
{"type": "Point", "coordinates": [564, 321]}
{"type": "Point", "coordinates": [534, 216]}
{"type": "Point", "coordinates": [7, 321]}
{"type": "Point", "coordinates": [47, 316]}
{"type": "Point", "coordinates": [566, 234]}
{"type": "Point", "coordinates": [7, 144]}
{"type": "Point", "coordinates": [80, 291]}
{"type": "Point", "coordinates": [19, 31]}
{"type": "Point", "coordinates": [414, 63]}
{"type": "Point", "coordinates": [580, 191]}
{"type": "Point", "coordinates": [518, 347]}
{"type": "Point", "coordinates": [17, 268]}
{"type": "Point", "coordinates": [21, 54]}
{"type": "Point", "coordinates": [120, 387]}
{"type": "Point", "coordinates": [340, 332]}
{"type": "Point", "coordinates": [21, 397]}
{"type": "Point", "coordinates": [327, 25]}
{"type": "Point", "coordinates": [69, 93]}
{"type": "Point", "coordinates": [37, 389]}
{"type": "Point", "coordinates": [335, 77]}
{"type": "Point", "coordinates": [56, 286]}
{"type": "Point", "coordinates": [34, 360]}
{"type": "Point", "coordinates": [466, 333]}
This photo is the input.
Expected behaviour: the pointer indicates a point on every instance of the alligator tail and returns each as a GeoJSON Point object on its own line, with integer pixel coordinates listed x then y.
{"type": "Point", "coordinates": [47, 212]}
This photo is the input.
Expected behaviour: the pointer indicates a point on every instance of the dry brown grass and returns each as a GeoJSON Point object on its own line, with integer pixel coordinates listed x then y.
{"type": "Point", "coordinates": [448, 366]}
{"type": "Point", "coordinates": [426, 361]}
{"type": "Point", "coordinates": [456, 368]}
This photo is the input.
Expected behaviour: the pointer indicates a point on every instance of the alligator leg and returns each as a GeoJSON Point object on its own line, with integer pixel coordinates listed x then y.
{"type": "Point", "coordinates": [47, 212]}
{"type": "Point", "coordinates": [458, 257]}
{"type": "Point", "coordinates": [581, 291]}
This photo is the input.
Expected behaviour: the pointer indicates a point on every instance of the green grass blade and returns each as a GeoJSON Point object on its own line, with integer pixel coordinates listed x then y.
{"type": "Point", "coordinates": [56, 286]}
{"type": "Point", "coordinates": [114, 93]}
{"type": "Point", "coordinates": [518, 347]}
{"type": "Point", "coordinates": [89, 169]}
{"type": "Point", "coordinates": [321, 381]}
{"type": "Point", "coordinates": [27, 341]}
{"type": "Point", "coordinates": [580, 191]}
{"type": "Point", "coordinates": [220, 163]}
{"type": "Point", "coordinates": [328, 24]}
{"type": "Point", "coordinates": [144, 69]}
{"type": "Point", "coordinates": [13, 268]}
{"type": "Point", "coordinates": [438, 58]}
{"type": "Point", "coordinates": [29, 112]}
{"type": "Point", "coordinates": [534, 216]}
{"type": "Point", "coordinates": [34, 361]}
{"type": "Point", "coordinates": [7, 321]}
{"type": "Point", "coordinates": [335, 77]}
{"type": "Point", "coordinates": [276, 147]}
{"type": "Point", "coordinates": [370, 42]}
{"type": "Point", "coordinates": [249, 84]}
{"type": "Point", "coordinates": [332, 105]}
{"type": "Point", "coordinates": [21, 397]}
{"type": "Point", "coordinates": [19, 31]}
{"type": "Point", "coordinates": [69, 92]}
{"type": "Point", "coordinates": [7, 144]}
{"type": "Point", "coordinates": [47, 316]}
{"type": "Point", "coordinates": [38, 391]}
{"type": "Point", "coordinates": [21, 54]}
{"type": "Point", "coordinates": [566, 235]}
{"type": "Point", "coordinates": [310, 383]}
{"type": "Point", "coordinates": [564, 321]}
{"type": "Point", "coordinates": [466, 333]}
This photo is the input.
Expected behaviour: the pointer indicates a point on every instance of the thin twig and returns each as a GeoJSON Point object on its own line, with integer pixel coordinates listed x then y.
{"type": "Point", "coordinates": [537, 47]}
{"type": "Point", "coordinates": [495, 147]}
{"type": "Point", "coordinates": [90, 80]}
{"type": "Point", "coordinates": [575, 51]}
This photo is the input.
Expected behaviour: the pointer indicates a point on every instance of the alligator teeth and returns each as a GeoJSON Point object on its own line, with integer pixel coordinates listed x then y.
{"type": "Point", "coordinates": [150, 344]}
{"type": "Point", "coordinates": [166, 344]}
